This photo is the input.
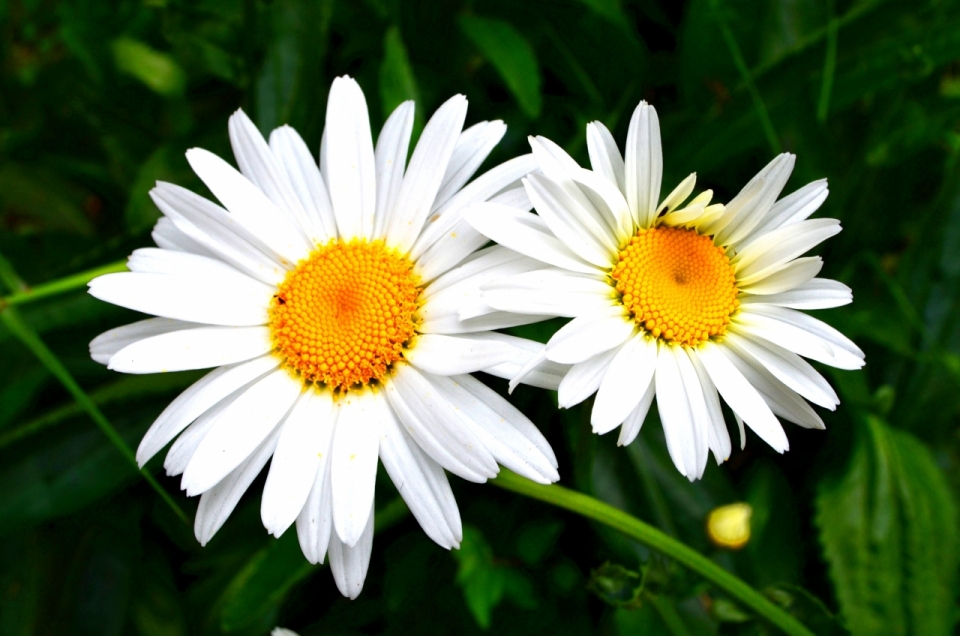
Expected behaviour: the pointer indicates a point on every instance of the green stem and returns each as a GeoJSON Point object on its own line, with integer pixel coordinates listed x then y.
{"type": "Point", "coordinates": [747, 78]}
{"type": "Point", "coordinates": [657, 540]}
{"type": "Point", "coordinates": [669, 615]}
{"type": "Point", "coordinates": [829, 65]}
{"type": "Point", "coordinates": [59, 286]}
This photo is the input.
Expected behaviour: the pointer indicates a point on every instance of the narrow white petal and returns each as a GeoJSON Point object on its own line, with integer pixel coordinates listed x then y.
{"type": "Point", "coordinates": [781, 246]}
{"type": "Point", "coordinates": [196, 348]}
{"type": "Point", "coordinates": [239, 430]}
{"type": "Point", "coordinates": [353, 462]}
{"type": "Point", "coordinates": [216, 299]}
{"type": "Point", "coordinates": [390, 158]}
{"type": "Point", "coordinates": [545, 374]}
{"type": "Point", "coordinates": [151, 260]}
{"type": "Point", "coordinates": [502, 439]}
{"type": "Point", "coordinates": [197, 399]}
{"type": "Point", "coordinates": [551, 291]}
{"type": "Point", "coordinates": [304, 439]}
{"type": "Point", "coordinates": [801, 334]}
{"type": "Point", "coordinates": [680, 194]}
{"type": "Point", "coordinates": [169, 237]}
{"type": "Point", "coordinates": [608, 200]}
{"type": "Point", "coordinates": [349, 166]}
{"type": "Point", "coordinates": [525, 233]}
{"type": "Point", "coordinates": [817, 293]}
{"type": "Point", "coordinates": [349, 564]}
{"type": "Point", "coordinates": [107, 344]}
{"type": "Point", "coordinates": [217, 503]}
{"type": "Point", "coordinates": [719, 436]}
{"type": "Point", "coordinates": [250, 207]}
{"type": "Point", "coordinates": [793, 274]}
{"type": "Point", "coordinates": [676, 414]}
{"type": "Point", "coordinates": [702, 424]}
{"type": "Point", "coordinates": [605, 157]}
{"type": "Point", "coordinates": [450, 323]}
{"type": "Point", "coordinates": [425, 173]}
{"type": "Point", "coordinates": [449, 251]}
{"type": "Point", "coordinates": [473, 147]}
{"type": "Point", "coordinates": [584, 378]}
{"type": "Point", "coordinates": [633, 423]}
{"type": "Point", "coordinates": [182, 450]}
{"type": "Point", "coordinates": [454, 355]}
{"type": "Point", "coordinates": [791, 209]}
{"type": "Point", "coordinates": [304, 175]}
{"type": "Point", "coordinates": [515, 197]}
{"type": "Point", "coordinates": [315, 522]}
{"type": "Point", "coordinates": [742, 397]}
{"type": "Point", "coordinates": [422, 484]}
{"type": "Point", "coordinates": [629, 374]}
{"type": "Point", "coordinates": [643, 168]}
{"type": "Point", "coordinates": [434, 425]}
{"type": "Point", "coordinates": [754, 212]}
{"type": "Point", "coordinates": [587, 335]}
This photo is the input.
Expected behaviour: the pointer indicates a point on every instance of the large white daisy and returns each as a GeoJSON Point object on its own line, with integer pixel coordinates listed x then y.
{"type": "Point", "coordinates": [681, 302]}
{"type": "Point", "coordinates": [328, 299]}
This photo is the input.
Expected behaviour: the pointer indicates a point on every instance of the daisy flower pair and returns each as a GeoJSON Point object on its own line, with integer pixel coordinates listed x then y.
{"type": "Point", "coordinates": [344, 306]}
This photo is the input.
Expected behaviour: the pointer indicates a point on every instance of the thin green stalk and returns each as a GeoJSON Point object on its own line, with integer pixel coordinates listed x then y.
{"type": "Point", "coordinates": [9, 277]}
{"type": "Point", "coordinates": [648, 535]}
{"type": "Point", "coordinates": [747, 78]}
{"type": "Point", "coordinates": [829, 64]}
{"type": "Point", "coordinates": [669, 615]}
{"type": "Point", "coordinates": [59, 286]}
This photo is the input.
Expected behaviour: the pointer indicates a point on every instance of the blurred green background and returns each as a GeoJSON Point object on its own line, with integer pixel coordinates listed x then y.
{"type": "Point", "coordinates": [853, 530]}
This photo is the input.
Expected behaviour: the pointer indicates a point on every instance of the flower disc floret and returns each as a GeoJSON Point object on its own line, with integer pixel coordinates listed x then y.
{"type": "Point", "coordinates": [343, 315]}
{"type": "Point", "coordinates": [677, 284]}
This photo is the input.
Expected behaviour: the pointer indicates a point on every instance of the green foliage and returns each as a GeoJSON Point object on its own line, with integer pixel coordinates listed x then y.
{"type": "Point", "coordinates": [888, 528]}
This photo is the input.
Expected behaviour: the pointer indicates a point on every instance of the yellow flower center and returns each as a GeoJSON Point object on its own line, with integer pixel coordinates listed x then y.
{"type": "Point", "coordinates": [342, 317]}
{"type": "Point", "coordinates": [678, 285]}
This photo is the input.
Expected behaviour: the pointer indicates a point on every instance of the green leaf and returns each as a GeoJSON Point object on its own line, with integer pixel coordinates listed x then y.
{"type": "Point", "coordinates": [155, 69]}
{"type": "Point", "coordinates": [888, 529]}
{"type": "Point", "coordinates": [512, 56]}
{"type": "Point", "coordinates": [397, 82]}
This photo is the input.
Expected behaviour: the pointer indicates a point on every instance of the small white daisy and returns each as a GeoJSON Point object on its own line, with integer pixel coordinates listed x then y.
{"type": "Point", "coordinates": [328, 298]}
{"type": "Point", "coordinates": [674, 302]}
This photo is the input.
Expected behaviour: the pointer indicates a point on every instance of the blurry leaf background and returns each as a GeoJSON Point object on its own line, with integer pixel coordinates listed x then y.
{"type": "Point", "coordinates": [854, 530]}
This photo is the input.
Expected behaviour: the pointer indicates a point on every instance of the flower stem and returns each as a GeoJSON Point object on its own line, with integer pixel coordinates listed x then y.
{"type": "Point", "coordinates": [59, 286]}
{"type": "Point", "coordinates": [648, 535]}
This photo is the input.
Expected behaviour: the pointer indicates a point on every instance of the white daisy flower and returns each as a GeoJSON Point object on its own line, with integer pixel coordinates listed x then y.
{"type": "Point", "coordinates": [328, 299]}
{"type": "Point", "coordinates": [671, 300]}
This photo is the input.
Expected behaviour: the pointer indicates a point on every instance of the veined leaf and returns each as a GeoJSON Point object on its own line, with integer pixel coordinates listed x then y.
{"type": "Point", "coordinates": [512, 56]}
{"type": "Point", "coordinates": [888, 529]}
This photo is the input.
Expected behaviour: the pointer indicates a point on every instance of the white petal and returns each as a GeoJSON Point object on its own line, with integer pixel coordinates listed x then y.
{"type": "Point", "coordinates": [304, 439]}
{"type": "Point", "coordinates": [107, 344]}
{"type": "Point", "coordinates": [515, 197]}
{"type": "Point", "coordinates": [315, 523]}
{"type": "Point", "coordinates": [786, 366]}
{"type": "Point", "coordinates": [167, 236]}
{"type": "Point", "coordinates": [349, 564]}
{"type": "Point", "coordinates": [719, 436]}
{"type": "Point", "coordinates": [525, 233]}
{"type": "Point", "coordinates": [633, 423]}
{"type": "Point", "coordinates": [450, 323]}
{"type": "Point", "coordinates": [239, 430]}
{"type": "Point", "coordinates": [473, 147]}
{"type": "Point", "coordinates": [304, 176]}
{"type": "Point", "coordinates": [454, 355]}
{"type": "Point", "coordinates": [605, 157]}
{"type": "Point", "coordinates": [218, 231]}
{"type": "Point", "coordinates": [353, 462]}
{"type": "Point", "coordinates": [546, 374]}
{"type": "Point", "coordinates": [626, 380]}
{"type": "Point", "coordinates": [643, 167]}
{"type": "Point", "coordinates": [196, 348]}
{"type": "Point", "coordinates": [196, 400]}
{"type": "Point", "coordinates": [550, 291]}
{"type": "Point", "coordinates": [186, 445]}
{"type": "Point", "coordinates": [433, 423]}
{"type": "Point", "coordinates": [422, 484]}
{"type": "Point", "coordinates": [817, 293]}
{"type": "Point", "coordinates": [765, 254]}
{"type": "Point", "coordinates": [791, 209]}
{"type": "Point", "coordinates": [449, 251]}
{"type": "Point", "coordinates": [801, 334]}
{"type": "Point", "coordinates": [743, 399]}
{"type": "Point", "coordinates": [696, 399]}
{"type": "Point", "coordinates": [753, 213]}
{"type": "Point", "coordinates": [349, 166]}
{"type": "Point", "coordinates": [676, 414]}
{"type": "Point", "coordinates": [791, 275]}
{"type": "Point", "coordinates": [217, 503]}
{"type": "Point", "coordinates": [680, 194]}
{"type": "Point", "coordinates": [210, 299]}
{"type": "Point", "coordinates": [584, 378]}
{"type": "Point", "coordinates": [587, 335]}
{"type": "Point", "coordinates": [425, 173]}
{"type": "Point", "coordinates": [258, 164]}
{"type": "Point", "coordinates": [151, 260]}
{"type": "Point", "coordinates": [503, 440]}
{"type": "Point", "coordinates": [249, 207]}
{"type": "Point", "coordinates": [608, 200]}
{"type": "Point", "coordinates": [391, 158]}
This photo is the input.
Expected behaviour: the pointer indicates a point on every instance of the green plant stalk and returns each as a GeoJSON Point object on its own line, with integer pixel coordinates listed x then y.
{"type": "Point", "coordinates": [60, 285]}
{"type": "Point", "coordinates": [648, 535]}
{"type": "Point", "coordinates": [11, 318]}
{"type": "Point", "coordinates": [747, 78]}
{"type": "Point", "coordinates": [829, 64]}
